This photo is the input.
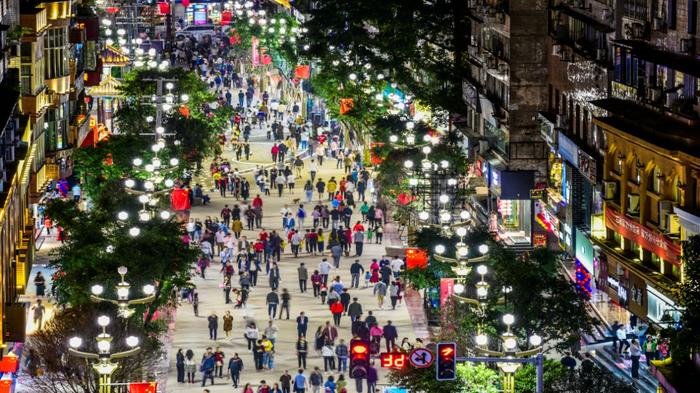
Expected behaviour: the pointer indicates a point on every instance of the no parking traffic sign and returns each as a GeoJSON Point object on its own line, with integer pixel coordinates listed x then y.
{"type": "Point", "coordinates": [421, 358]}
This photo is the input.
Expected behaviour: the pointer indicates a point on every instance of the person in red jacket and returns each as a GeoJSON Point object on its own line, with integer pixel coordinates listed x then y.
{"type": "Point", "coordinates": [337, 311]}
{"type": "Point", "coordinates": [257, 202]}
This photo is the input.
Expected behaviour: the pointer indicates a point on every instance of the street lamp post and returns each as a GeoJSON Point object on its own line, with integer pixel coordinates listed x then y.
{"type": "Point", "coordinates": [123, 289]}
{"type": "Point", "coordinates": [104, 363]}
{"type": "Point", "coordinates": [509, 343]}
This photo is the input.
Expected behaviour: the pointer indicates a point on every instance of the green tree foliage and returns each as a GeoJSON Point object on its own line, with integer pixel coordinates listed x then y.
{"type": "Point", "coordinates": [421, 45]}
{"type": "Point", "coordinates": [278, 36]}
{"type": "Point", "coordinates": [686, 341]}
{"type": "Point", "coordinates": [559, 379]}
{"type": "Point", "coordinates": [157, 256]}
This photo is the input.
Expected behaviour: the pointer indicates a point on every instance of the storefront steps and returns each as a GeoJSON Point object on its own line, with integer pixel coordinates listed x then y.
{"type": "Point", "coordinates": [621, 366]}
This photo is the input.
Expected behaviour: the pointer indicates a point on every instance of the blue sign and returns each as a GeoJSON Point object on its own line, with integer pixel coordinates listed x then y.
{"type": "Point", "coordinates": [568, 150]}
{"type": "Point", "coordinates": [394, 389]}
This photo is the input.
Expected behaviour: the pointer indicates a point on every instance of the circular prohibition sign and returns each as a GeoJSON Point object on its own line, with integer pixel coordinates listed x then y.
{"type": "Point", "coordinates": [421, 358]}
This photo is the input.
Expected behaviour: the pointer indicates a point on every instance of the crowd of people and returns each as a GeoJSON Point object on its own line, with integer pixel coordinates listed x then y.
{"type": "Point", "coordinates": [330, 222]}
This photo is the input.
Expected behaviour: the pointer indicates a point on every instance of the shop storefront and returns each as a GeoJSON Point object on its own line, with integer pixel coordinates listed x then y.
{"type": "Point", "coordinates": [660, 308]}
{"type": "Point", "coordinates": [625, 287]}
{"type": "Point", "coordinates": [586, 257]}
{"type": "Point", "coordinates": [515, 207]}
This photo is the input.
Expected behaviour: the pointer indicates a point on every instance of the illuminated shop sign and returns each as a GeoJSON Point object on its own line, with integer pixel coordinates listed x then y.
{"type": "Point", "coordinates": [645, 237]}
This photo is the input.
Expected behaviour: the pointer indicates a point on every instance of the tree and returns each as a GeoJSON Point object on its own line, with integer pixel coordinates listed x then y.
{"type": "Point", "coordinates": [64, 374]}
{"type": "Point", "coordinates": [559, 379]}
{"type": "Point", "coordinates": [685, 342]}
{"type": "Point", "coordinates": [471, 378]}
{"type": "Point", "coordinates": [97, 244]}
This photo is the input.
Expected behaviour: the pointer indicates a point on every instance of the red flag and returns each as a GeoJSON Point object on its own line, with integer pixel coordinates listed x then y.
{"type": "Point", "coordinates": [302, 72]}
{"type": "Point", "coordinates": [265, 59]}
{"type": "Point", "coordinates": [405, 199]}
{"type": "Point", "coordinates": [226, 17]}
{"type": "Point", "coordinates": [143, 387]}
{"type": "Point", "coordinates": [346, 105]}
{"type": "Point", "coordinates": [180, 199]}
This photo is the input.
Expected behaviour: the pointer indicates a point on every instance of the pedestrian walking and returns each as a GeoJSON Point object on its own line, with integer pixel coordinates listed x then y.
{"type": "Point", "coordinates": [213, 323]}
{"type": "Point", "coordinates": [228, 323]}
{"type": "Point", "coordinates": [190, 366]}
{"type": "Point", "coordinates": [272, 301]}
{"type": "Point", "coordinates": [286, 299]}
{"type": "Point", "coordinates": [302, 324]}
{"type": "Point", "coordinates": [328, 354]}
{"type": "Point", "coordinates": [207, 367]}
{"type": "Point", "coordinates": [303, 277]}
{"type": "Point", "coordinates": [356, 270]}
{"type": "Point", "coordinates": [342, 352]}
{"type": "Point", "coordinates": [180, 365]}
{"type": "Point", "coordinates": [235, 366]}
{"type": "Point", "coordinates": [390, 335]}
{"type": "Point", "coordinates": [302, 347]}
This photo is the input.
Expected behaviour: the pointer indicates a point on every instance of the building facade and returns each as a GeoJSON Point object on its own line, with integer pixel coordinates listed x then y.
{"type": "Point", "coordinates": [503, 92]}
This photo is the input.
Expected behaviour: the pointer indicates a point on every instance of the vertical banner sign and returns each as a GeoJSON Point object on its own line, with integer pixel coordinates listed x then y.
{"type": "Point", "coordinates": [256, 52]}
{"type": "Point", "coordinates": [447, 289]}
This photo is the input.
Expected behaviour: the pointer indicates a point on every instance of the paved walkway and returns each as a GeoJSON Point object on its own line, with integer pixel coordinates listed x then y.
{"type": "Point", "coordinates": [191, 332]}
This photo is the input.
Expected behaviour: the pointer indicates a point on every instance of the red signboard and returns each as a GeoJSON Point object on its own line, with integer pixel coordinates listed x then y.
{"type": "Point", "coordinates": [9, 364]}
{"type": "Point", "coordinates": [447, 289]}
{"type": "Point", "coordinates": [393, 360]}
{"type": "Point", "coordinates": [645, 237]}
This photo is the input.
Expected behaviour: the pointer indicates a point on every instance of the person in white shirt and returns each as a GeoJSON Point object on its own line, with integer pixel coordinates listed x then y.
{"type": "Point", "coordinates": [313, 169]}
{"type": "Point", "coordinates": [290, 182]}
{"type": "Point", "coordinates": [324, 268]}
{"type": "Point", "coordinates": [280, 180]}
{"type": "Point", "coordinates": [396, 265]}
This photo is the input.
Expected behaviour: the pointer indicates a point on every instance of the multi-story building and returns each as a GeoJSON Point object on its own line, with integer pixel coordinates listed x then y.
{"type": "Point", "coordinates": [16, 230]}
{"type": "Point", "coordinates": [650, 173]}
{"type": "Point", "coordinates": [504, 90]}
{"type": "Point", "coordinates": [579, 69]}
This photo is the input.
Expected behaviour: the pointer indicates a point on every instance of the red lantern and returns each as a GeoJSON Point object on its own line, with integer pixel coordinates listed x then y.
{"type": "Point", "coordinates": [405, 199]}
{"type": "Point", "coordinates": [416, 258]}
{"type": "Point", "coordinates": [185, 3]}
{"type": "Point", "coordinates": [164, 8]}
{"type": "Point", "coordinates": [226, 17]}
{"type": "Point", "coordinates": [346, 105]}
{"type": "Point", "coordinates": [302, 72]}
{"type": "Point", "coordinates": [112, 10]}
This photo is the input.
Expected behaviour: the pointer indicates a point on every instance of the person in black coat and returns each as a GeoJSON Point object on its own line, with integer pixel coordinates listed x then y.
{"type": "Point", "coordinates": [235, 366]}
{"type": "Point", "coordinates": [180, 364]}
{"type": "Point", "coordinates": [390, 335]}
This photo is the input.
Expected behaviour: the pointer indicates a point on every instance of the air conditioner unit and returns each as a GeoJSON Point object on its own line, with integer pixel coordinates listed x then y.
{"type": "Point", "coordinates": [633, 204]}
{"type": "Point", "coordinates": [601, 54]}
{"type": "Point", "coordinates": [672, 223]}
{"type": "Point", "coordinates": [609, 189]}
{"type": "Point", "coordinates": [562, 121]}
{"type": "Point", "coordinates": [665, 207]}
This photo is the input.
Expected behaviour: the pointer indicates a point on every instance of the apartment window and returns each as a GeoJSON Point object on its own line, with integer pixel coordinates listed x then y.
{"type": "Point", "coordinates": [656, 261]}
{"type": "Point", "coordinates": [637, 174]}
{"type": "Point", "coordinates": [671, 14]}
{"type": "Point", "coordinates": [55, 53]}
{"type": "Point", "coordinates": [655, 181]}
